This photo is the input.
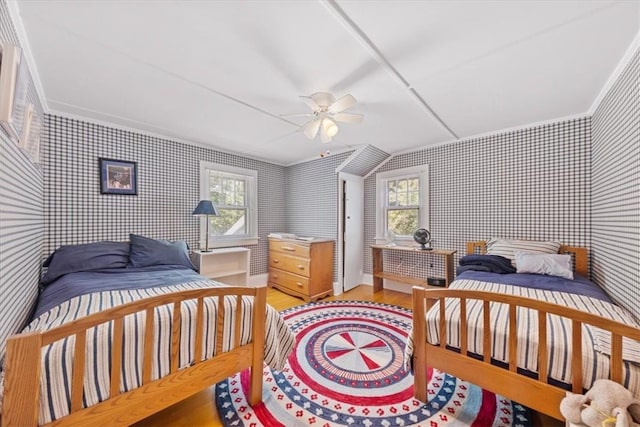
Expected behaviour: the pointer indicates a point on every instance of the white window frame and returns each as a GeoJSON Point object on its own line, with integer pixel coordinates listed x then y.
{"type": "Point", "coordinates": [422, 172]}
{"type": "Point", "coordinates": [251, 176]}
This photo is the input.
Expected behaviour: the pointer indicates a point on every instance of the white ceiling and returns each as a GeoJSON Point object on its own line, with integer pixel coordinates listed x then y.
{"type": "Point", "coordinates": [222, 72]}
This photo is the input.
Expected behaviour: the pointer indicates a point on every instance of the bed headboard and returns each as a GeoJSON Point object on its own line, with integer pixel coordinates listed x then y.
{"type": "Point", "coordinates": [580, 256]}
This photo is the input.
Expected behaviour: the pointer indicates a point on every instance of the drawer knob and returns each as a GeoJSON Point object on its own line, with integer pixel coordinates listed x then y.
{"type": "Point", "coordinates": [275, 276]}
{"type": "Point", "coordinates": [276, 261]}
{"type": "Point", "coordinates": [289, 248]}
{"type": "Point", "coordinates": [301, 267]}
{"type": "Point", "coordinates": [299, 284]}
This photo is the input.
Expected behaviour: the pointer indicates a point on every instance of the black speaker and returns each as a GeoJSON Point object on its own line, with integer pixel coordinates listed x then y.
{"type": "Point", "coordinates": [436, 281]}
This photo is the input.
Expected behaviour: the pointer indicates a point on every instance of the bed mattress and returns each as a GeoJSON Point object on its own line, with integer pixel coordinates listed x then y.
{"type": "Point", "coordinates": [596, 344]}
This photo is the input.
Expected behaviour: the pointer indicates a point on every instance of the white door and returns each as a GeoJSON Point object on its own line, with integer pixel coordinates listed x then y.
{"type": "Point", "coordinates": [353, 230]}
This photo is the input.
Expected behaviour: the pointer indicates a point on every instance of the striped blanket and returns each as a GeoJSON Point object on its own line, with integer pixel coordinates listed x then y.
{"type": "Point", "coordinates": [596, 343]}
{"type": "Point", "coordinates": [57, 359]}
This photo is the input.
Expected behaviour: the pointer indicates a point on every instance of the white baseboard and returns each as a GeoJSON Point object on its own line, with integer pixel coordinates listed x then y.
{"type": "Point", "coordinates": [337, 289]}
{"type": "Point", "coordinates": [367, 279]}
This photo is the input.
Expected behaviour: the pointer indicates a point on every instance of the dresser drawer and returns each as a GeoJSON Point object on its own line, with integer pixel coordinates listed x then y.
{"type": "Point", "coordinates": [290, 248]}
{"type": "Point", "coordinates": [301, 268]}
{"type": "Point", "coordinates": [289, 280]}
{"type": "Point", "coordinates": [289, 263]}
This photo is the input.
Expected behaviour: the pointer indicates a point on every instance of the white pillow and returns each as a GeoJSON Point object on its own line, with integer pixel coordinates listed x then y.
{"type": "Point", "coordinates": [551, 264]}
{"type": "Point", "coordinates": [508, 248]}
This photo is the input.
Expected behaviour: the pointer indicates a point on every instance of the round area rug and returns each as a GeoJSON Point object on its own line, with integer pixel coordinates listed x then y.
{"type": "Point", "coordinates": [347, 369]}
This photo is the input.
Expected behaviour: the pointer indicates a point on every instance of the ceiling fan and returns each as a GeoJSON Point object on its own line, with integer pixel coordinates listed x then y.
{"type": "Point", "coordinates": [326, 111]}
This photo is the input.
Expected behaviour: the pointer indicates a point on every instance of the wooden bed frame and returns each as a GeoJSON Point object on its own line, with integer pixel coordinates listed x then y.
{"type": "Point", "coordinates": [23, 362]}
{"type": "Point", "coordinates": [537, 394]}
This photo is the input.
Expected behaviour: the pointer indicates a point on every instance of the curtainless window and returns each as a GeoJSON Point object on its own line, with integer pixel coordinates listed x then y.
{"type": "Point", "coordinates": [402, 202]}
{"type": "Point", "coordinates": [233, 191]}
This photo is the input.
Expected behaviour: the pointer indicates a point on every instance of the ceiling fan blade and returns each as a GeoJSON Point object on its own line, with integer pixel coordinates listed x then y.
{"type": "Point", "coordinates": [310, 102]}
{"type": "Point", "coordinates": [348, 117]}
{"type": "Point", "coordinates": [298, 115]}
{"type": "Point", "coordinates": [323, 99]}
{"type": "Point", "coordinates": [342, 104]}
{"type": "Point", "coordinates": [310, 129]}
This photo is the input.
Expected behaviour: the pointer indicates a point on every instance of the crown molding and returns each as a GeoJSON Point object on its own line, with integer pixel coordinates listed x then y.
{"type": "Point", "coordinates": [506, 130]}
{"type": "Point", "coordinates": [626, 59]}
{"type": "Point", "coordinates": [165, 137]}
{"type": "Point", "coordinates": [14, 16]}
{"type": "Point", "coordinates": [482, 135]}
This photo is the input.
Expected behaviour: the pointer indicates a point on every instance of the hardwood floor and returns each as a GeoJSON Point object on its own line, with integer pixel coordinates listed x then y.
{"type": "Point", "coordinates": [200, 409]}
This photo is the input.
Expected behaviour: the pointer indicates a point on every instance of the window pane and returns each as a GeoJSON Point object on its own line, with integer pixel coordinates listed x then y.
{"type": "Point", "coordinates": [391, 198]}
{"type": "Point", "coordinates": [414, 198]}
{"type": "Point", "coordinates": [229, 222]}
{"type": "Point", "coordinates": [233, 192]}
{"type": "Point", "coordinates": [403, 222]}
{"type": "Point", "coordinates": [391, 193]}
{"type": "Point", "coordinates": [228, 198]}
{"type": "Point", "coordinates": [414, 184]}
{"type": "Point", "coordinates": [227, 185]}
{"type": "Point", "coordinates": [402, 199]}
{"type": "Point", "coordinates": [402, 185]}
{"type": "Point", "coordinates": [228, 191]}
{"type": "Point", "coordinates": [215, 198]}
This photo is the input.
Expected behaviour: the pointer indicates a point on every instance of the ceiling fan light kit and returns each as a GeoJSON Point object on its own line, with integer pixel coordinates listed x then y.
{"type": "Point", "coordinates": [326, 112]}
{"type": "Point", "coordinates": [329, 127]}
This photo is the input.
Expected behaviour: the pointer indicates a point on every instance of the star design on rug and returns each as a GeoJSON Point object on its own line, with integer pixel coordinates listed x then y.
{"type": "Point", "coordinates": [358, 351]}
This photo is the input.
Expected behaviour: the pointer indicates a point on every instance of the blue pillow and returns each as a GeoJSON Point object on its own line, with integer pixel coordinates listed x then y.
{"type": "Point", "coordinates": [85, 257]}
{"type": "Point", "coordinates": [146, 252]}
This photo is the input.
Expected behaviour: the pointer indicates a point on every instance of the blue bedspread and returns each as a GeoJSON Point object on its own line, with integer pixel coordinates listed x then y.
{"type": "Point", "coordinates": [580, 285]}
{"type": "Point", "coordinates": [85, 282]}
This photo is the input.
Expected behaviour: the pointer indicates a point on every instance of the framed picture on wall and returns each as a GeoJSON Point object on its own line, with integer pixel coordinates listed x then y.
{"type": "Point", "coordinates": [14, 80]}
{"type": "Point", "coordinates": [31, 137]}
{"type": "Point", "coordinates": [118, 177]}
{"type": "Point", "coordinates": [26, 128]}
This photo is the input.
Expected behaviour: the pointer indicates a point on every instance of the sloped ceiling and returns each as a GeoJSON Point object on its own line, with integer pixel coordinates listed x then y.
{"type": "Point", "coordinates": [222, 73]}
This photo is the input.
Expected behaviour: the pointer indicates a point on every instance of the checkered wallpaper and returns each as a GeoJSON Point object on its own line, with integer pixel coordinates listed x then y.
{"type": "Point", "coordinates": [21, 228]}
{"type": "Point", "coordinates": [168, 188]}
{"type": "Point", "coordinates": [528, 183]}
{"type": "Point", "coordinates": [312, 199]}
{"type": "Point", "coordinates": [615, 211]}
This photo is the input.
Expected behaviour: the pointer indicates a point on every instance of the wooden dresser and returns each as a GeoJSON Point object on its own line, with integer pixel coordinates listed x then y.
{"type": "Point", "coordinates": [301, 268]}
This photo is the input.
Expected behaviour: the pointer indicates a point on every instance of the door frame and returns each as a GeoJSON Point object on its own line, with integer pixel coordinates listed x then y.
{"type": "Point", "coordinates": [342, 177]}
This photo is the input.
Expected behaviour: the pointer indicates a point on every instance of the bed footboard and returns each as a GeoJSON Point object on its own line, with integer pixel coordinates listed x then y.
{"type": "Point", "coordinates": [537, 394]}
{"type": "Point", "coordinates": [23, 361]}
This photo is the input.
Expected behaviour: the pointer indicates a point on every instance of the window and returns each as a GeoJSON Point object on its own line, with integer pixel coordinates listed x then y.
{"type": "Point", "coordinates": [233, 191]}
{"type": "Point", "coordinates": [402, 203]}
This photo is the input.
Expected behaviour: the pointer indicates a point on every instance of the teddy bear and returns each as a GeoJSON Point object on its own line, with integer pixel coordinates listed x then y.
{"type": "Point", "coordinates": [606, 404]}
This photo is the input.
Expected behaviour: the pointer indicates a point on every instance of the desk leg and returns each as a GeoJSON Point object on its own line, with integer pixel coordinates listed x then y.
{"type": "Point", "coordinates": [448, 266]}
{"type": "Point", "coordinates": [377, 268]}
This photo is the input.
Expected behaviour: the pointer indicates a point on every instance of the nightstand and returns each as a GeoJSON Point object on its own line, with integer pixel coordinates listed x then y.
{"type": "Point", "coordinates": [226, 265]}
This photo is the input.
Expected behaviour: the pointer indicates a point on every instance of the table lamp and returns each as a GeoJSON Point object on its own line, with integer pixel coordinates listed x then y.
{"type": "Point", "coordinates": [206, 208]}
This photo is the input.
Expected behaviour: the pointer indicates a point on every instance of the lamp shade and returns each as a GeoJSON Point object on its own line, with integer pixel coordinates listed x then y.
{"type": "Point", "coordinates": [205, 207]}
